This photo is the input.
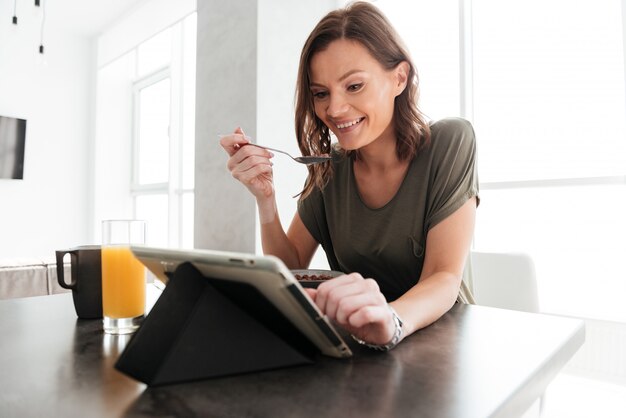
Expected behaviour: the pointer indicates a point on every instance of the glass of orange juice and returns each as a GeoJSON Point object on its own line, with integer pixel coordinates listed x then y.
{"type": "Point", "coordinates": [123, 276]}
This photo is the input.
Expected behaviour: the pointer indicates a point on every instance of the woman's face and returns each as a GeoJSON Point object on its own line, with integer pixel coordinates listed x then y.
{"type": "Point", "coordinates": [353, 94]}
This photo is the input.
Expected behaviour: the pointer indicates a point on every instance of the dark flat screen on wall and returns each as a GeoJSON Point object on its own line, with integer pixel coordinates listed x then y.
{"type": "Point", "coordinates": [12, 146]}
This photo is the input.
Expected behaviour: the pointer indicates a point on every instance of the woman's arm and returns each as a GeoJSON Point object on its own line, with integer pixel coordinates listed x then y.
{"type": "Point", "coordinates": [357, 304]}
{"type": "Point", "coordinates": [253, 168]}
{"type": "Point", "coordinates": [447, 246]}
{"type": "Point", "coordinates": [295, 249]}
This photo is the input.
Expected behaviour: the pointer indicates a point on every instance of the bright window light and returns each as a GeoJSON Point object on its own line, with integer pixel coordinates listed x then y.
{"type": "Point", "coordinates": [154, 139]}
{"type": "Point", "coordinates": [153, 208]}
{"type": "Point", "coordinates": [549, 89]}
{"type": "Point", "coordinates": [430, 30]}
{"type": "Point", "coordinates": [549, 109]}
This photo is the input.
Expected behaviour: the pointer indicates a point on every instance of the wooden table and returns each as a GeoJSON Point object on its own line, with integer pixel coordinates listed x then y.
{"type": "Point", "coordinates": [474, 362]}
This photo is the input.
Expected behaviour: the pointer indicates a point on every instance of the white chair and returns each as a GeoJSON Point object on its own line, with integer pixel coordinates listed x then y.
{"type": "Point", "coordinates": [507, 281]}
{"type": "Point", "coordinates": [504, 280]}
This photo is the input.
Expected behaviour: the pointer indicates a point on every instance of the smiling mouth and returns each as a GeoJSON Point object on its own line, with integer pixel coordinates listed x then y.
{"type": "Point", "coordinates": [349, 124]}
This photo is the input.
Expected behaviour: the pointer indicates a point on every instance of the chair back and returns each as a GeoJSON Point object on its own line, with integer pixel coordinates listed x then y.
{"type": "Point", "coordinates": [504, 280]}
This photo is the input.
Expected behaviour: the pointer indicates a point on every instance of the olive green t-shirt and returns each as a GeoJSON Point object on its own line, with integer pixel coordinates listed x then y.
{"type": "Point", "coordinates": [388, 243]}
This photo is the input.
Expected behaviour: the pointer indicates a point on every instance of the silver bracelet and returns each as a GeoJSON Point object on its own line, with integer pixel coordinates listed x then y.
{"type": "Point", "coordinates": [397, 334]}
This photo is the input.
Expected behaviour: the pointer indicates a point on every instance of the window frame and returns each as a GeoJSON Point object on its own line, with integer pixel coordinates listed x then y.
{"type": "Point", "coordinates": [467, 107]}
{"type": "Point", "coordinates": [173, 188]}
{"type": "Point", "coordinates": [149, 80]}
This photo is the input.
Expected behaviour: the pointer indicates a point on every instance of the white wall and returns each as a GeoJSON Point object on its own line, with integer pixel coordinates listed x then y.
{"type": "Point", "coordinates": [113, 142]}
{"type": "Point", "coordinates": [139, 25]}
{"type": "Point", "coordinates": [48, 210]}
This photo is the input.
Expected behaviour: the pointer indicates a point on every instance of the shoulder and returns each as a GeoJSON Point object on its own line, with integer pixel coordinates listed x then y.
{"type": "Point", "coordinates": [452, 128]}
{"type": "Point", "coordinates": [452, 133]}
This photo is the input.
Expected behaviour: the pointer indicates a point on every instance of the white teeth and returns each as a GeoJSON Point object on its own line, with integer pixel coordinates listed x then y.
{"type": "Point", "coordinates": [348, 124]}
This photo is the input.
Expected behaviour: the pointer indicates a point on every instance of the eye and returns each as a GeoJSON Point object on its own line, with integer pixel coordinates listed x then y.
{"type": "Point", "coordinates": [355, 87]}
{"type": "Point", "coordinates": [319, 95]}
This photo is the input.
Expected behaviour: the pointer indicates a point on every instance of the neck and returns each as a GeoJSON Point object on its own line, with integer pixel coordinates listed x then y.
{"type": "Point", "coordinates": [379, 156]}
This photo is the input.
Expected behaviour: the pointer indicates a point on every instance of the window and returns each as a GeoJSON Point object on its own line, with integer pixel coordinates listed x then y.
{"type": "Point", "coordinates": [431, 31]}
{"type": "Point", "coordinates": [145, 136]}
{"type": "Point", "coordinates": [163, 136]}
{"type": "Point", "coordinates": [546, 95]}
{"type": "Point", "coordinates": [549, 97]}
{"type": "Point", "coordinates": [152, 98]}
{"type": "Point", "coordinates": [549, 106]}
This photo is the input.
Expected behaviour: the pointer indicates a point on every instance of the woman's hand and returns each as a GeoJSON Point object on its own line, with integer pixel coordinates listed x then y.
{"type": "Point", "coordinates": [250, 165]}
{"type": "Point", "coordinates": [357, 305]}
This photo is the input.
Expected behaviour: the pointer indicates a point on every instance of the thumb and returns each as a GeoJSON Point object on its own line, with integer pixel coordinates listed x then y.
{"type": "Point", "coordinates": [311, 292]}
{"type": "Point", "coordinates": [240, 132]}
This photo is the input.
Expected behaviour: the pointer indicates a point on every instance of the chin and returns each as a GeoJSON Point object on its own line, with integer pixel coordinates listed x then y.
{"type": "Point", "coordinates": [349, 142]}
{"type": "Point", "coordinates": [348, 146]}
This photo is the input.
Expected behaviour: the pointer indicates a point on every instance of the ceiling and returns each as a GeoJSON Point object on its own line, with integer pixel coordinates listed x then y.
{"type": "Point", "coordinates": [84, 17]}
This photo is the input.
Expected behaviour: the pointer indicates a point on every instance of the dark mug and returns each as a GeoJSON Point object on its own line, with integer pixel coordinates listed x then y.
{"type": "Point", "coordinates": [86, 279]}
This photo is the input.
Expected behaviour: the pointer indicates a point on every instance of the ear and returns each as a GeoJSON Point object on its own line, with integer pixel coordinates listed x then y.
{"type": "Point", "coordinates": [401, 76]}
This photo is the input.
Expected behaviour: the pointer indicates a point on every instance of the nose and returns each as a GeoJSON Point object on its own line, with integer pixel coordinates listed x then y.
{"type": "Point", "coordinates": [337, 105]}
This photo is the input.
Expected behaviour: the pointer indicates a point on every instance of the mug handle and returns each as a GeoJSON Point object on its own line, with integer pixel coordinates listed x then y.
{"type": "Point", "coordinates": [61, 270]}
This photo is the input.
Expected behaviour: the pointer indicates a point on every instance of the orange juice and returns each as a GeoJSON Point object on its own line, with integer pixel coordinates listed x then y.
{"type": "Point", "coordinates": [123, 283]}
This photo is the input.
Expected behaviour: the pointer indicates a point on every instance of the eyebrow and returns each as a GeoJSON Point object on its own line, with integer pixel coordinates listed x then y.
{"type": "Point", "coordinates": [343, 77]}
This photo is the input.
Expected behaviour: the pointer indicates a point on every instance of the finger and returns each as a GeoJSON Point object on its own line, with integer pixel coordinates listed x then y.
{"type": "Point", "coordinates": [351, 304]}
{"type": "Point", "coordinates": [248, 157]}
{"type": "Point", "coordinates": [369, 315]}
{"type": "Point", "coordinates": [247, 164]}
{"type": "Point", "coordinates": [364, 292]}
{"type": "Point", "coordinates": [253, 173]}
{"type": "Point", "coordinates": [311, 292]}
{"type": "Point", "coordinates": [239, 130]}
{"type": "Point", "coordinates": [327, 288]}
{"type": "Point", "coordinates": [233, 142]}
{"type": "Point", "coordinates": [335, 298]}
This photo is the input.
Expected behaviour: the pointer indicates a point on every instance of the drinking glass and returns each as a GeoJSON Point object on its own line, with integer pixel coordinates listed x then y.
{"type": "Point", "coordinates": [123, 276]}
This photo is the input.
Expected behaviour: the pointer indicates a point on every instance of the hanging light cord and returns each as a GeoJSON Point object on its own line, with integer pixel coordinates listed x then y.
{"type": "Point", "coordinates": [15, 12]}
{"type": "Point", "coordinates": [43, 21]}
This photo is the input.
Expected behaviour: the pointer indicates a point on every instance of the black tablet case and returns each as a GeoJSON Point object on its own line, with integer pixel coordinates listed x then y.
{"type": "Point", "coordinates": [207, 327]}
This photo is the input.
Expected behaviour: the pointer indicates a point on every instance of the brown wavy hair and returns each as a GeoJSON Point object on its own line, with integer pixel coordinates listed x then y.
{"type": "Point", "coordinates": [364, 23]}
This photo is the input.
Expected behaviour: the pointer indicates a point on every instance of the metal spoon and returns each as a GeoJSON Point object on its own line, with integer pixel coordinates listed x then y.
{"type": "Point", "coordinates": [305, 159]}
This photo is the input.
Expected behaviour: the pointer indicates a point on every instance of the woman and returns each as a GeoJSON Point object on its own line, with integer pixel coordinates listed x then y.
{"type": "Point", "coordinates": [395, 208]}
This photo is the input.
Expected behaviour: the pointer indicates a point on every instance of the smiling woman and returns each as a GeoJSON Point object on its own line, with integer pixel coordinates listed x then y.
{"type": "Point", "coordinates": [395, 207]}
{"type": "Point", "coordinates": [345, 96]}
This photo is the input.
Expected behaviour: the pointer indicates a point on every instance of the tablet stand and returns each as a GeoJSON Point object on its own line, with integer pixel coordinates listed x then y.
{"type": "Point", "coordinates": [205, 327]}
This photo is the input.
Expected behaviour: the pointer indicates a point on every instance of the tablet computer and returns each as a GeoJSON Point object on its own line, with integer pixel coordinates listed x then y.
{"type": "Point", "coordinates": [267, 274]}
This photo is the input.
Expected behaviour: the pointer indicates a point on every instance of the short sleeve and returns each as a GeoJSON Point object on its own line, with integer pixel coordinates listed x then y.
{"type": "Point", "coordinates": [454, 177]}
